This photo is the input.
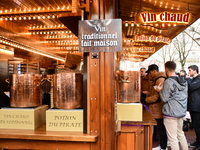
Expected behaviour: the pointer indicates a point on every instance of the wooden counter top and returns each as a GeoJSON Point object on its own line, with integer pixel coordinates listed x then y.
{"type": "Point", "coordinates": [41, 134]}
{"type": "Point", "coordinates": [147, 119]}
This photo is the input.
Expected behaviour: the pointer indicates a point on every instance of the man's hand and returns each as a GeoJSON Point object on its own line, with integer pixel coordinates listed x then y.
{"type": "Point", "coordinates": [158, 88]}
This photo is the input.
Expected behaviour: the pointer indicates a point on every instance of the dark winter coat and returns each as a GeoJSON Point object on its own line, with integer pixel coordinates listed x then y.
{"type": "Point", "coordinates": [194, 94]}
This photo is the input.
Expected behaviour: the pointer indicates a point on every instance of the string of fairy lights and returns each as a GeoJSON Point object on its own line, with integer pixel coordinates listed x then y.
{"type": "Point", "coordinates": [132, 24]}
{"type": "Point", "coordinates": [25, 47]}
{"type": "Point", "coordinates": [32, 13]}
{"type": "Point", "coordinates": [45, 27]}
{"type": "Point", "coordinates": [54, 34]}
{"type": "Point", "coordinates": [27, 17]}
{"type": "Point", "coordinates": [39, 9]}
{"type": "Point", "coordinates": [63, 39]}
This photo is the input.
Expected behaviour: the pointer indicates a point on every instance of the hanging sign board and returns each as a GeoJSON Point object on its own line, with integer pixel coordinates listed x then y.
{"type": "Point", "coordinates": [152, 38]}
{"type": "Point", "coordinates": [100, 35]}
{"type": "Point", "coordinates": [164, 20]}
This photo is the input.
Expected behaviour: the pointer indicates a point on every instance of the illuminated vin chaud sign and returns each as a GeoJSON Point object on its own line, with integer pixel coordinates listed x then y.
{"type": "Point", "coordinates": [164, 20]}
{"type": "Point", "coordinates": [100, 35]}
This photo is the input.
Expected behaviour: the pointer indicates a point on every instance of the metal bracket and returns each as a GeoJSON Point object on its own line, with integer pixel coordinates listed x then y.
{"type": "Point", "coordinates": [95, 55]}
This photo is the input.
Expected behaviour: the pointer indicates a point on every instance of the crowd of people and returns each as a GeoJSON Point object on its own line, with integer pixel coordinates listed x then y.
{"type": "Point", "coordinates": [168, 96]}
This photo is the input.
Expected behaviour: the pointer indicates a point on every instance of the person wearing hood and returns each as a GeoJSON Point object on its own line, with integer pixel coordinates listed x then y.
{"type": "Point", "coordinates": [152, 99]}
{"type": "Point", "coordinates": [174, 95]}
{"type": "Point", "coordinates": [194, 102]}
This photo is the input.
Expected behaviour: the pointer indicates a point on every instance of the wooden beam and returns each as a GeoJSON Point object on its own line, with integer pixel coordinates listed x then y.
{"type": "Point", "coordinates": [101, 96]}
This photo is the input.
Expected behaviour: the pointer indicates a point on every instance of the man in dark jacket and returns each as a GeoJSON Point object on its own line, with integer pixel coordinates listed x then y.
{"type": "Point", "coordinates": [194, 102]}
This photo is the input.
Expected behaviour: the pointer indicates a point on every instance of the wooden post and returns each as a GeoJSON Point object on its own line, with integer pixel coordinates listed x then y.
{"type": "Point", "coordinates": [101, 85]}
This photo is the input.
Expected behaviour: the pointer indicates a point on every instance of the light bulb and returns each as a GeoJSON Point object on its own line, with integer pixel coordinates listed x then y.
{"type": "Point", "coordinates": [126, 24]}
{"type": "Point", "coordinates": [132, 24]}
